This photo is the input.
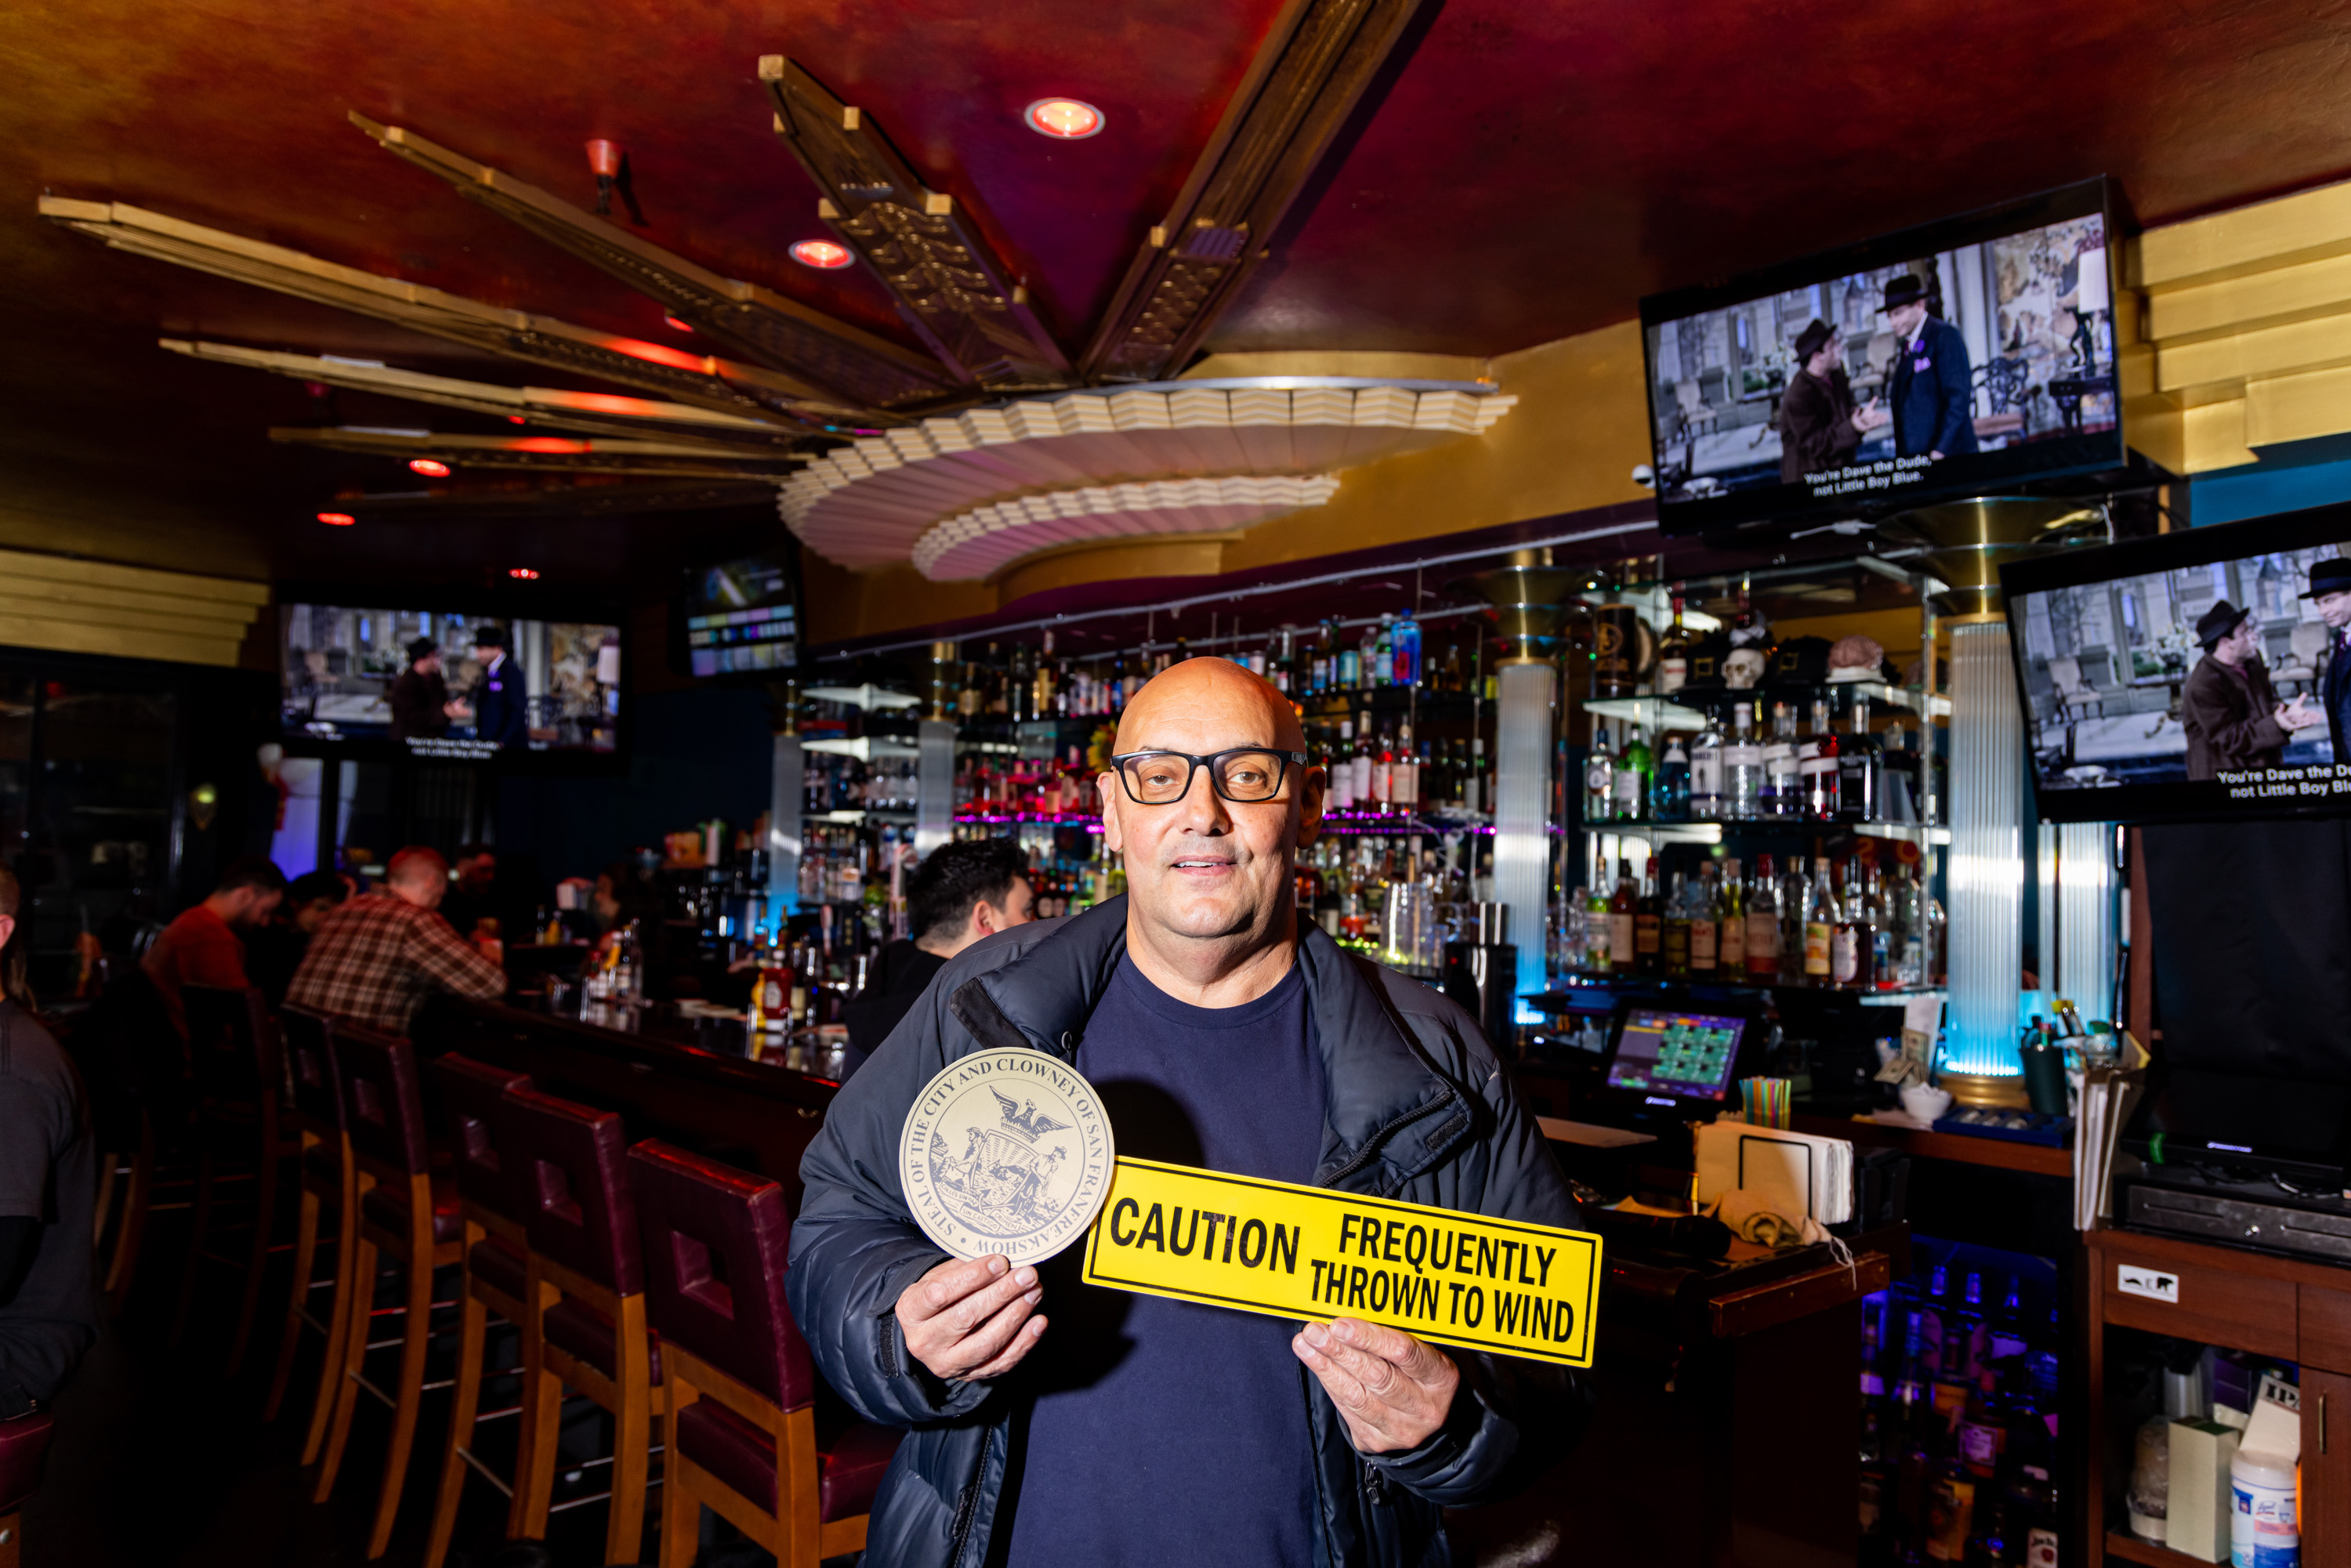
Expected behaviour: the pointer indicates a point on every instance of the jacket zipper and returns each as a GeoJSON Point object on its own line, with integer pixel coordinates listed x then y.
{"type": "Point", "coordinates": [1371, 1145]}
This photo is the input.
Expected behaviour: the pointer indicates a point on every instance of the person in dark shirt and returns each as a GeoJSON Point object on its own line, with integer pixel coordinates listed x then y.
{"type": "Point", "coordinates": [961, 893]}
{"type": "Point", "coordinates": [49, 1181]}
{"type": "Point", "coordinates": [500, 708]}
{"type": "Point", "coordinates": [1817, 428]}
{"type": "Point", "coordinates": [273, 951]}
{"type": "Point", "coordinates": [419, 698]}
{"type": "Point", "coordinates": [472, 898]}
{"type": "Point", "coordinates": [2230, 711]}
{"type": "Point", "coordinates": [1933, 389]}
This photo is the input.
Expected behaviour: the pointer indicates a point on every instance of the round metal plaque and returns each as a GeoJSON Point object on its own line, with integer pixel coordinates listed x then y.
{"type": "Point", "coordinates": [1006, 1152]}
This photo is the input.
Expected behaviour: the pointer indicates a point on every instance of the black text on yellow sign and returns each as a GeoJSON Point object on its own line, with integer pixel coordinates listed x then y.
{"type": "Point", "coordinates": [1314, 1254]}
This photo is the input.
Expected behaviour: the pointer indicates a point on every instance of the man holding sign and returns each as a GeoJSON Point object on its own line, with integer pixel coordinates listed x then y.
{"type": "Point", "coordinates": [1059, 1422]}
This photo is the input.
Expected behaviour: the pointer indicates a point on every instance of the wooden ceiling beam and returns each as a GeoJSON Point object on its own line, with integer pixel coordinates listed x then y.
{"type": "Point", "coordinates": [950, 285]}
{"type": "Point", "coordinates": [594, 414]}
{"type": "Point", "coordinates": [666, 458]}
{"type": "Point", "coordinates": [708, 382]}
{"type": "Point", "coordinates": [852, 364]}
{"type": "Point", "coordinates": [1303, 84]}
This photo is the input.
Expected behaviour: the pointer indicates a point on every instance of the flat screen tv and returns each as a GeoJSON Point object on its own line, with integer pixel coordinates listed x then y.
{"type": "Point", "coordinates": [2189, 675]}
{"type": "Point", "coordinates": [366, 678]}
{"type": "Point", "coordinates": [738, 618]}
{"type": "Point", "coordinates": [1969, 356]}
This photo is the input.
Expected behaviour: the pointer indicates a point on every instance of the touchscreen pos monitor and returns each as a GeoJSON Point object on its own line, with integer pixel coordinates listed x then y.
{"type": "Point", "coordinates": [1667, 1061]}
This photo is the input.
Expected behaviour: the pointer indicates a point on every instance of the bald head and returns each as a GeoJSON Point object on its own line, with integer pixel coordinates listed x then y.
{"type": "Point", "coordinates": [1209, 696]}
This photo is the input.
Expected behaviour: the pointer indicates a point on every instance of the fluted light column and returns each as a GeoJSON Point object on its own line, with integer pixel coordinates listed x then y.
{"type": "Point", "coordinates": [2087, 923]}
{"type": "Point", "coordinates": [1987, 881]}
{"type": "Point", "coordinates": [1521, 791]}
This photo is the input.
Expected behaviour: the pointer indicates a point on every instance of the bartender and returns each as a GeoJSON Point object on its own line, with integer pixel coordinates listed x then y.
{"type": "Point", "coordinates": [962, 892]}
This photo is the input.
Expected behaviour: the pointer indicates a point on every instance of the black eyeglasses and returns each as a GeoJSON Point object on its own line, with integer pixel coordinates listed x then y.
{"type": "Point", "coordinates": [1245, 775]}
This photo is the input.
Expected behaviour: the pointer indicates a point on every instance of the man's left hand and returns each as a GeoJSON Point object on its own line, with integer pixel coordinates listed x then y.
{"type": "Point", "coordinates": [1393, 1391]}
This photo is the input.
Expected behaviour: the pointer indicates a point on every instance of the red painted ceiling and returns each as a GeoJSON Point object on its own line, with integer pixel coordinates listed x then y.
{"type": "Point", "coordinates": [1527, 171]}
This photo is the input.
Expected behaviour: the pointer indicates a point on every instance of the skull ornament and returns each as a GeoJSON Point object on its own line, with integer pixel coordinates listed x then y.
{"type": "Point", "coordinates": [1742, 669]}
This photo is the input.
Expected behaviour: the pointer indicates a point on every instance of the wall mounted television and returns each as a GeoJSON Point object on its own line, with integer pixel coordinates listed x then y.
{"type": "Point", "coordinates": [739, 618]}
{"type": "Point", "coordinates": [358, 679]}
{"type": "Point", "coordinates": [2188, 675]}
{"type": "Point", "coordinates": [1970, 356]}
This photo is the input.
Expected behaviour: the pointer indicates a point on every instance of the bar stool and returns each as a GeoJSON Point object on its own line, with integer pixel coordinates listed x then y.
{"type": "Point", "coordinates": [24, 1444]}
{"type": "Point", "coordinates": [496, 1268]}
{"type": "Point", "coordinates": [328, 1179]}
{"type": "Point", "coordinates": [402, 1215]}
{"type": "Point", "coordinates": [583, 1326]}
{"type": "Point", "coordinates": [735, 1372]}
{"type": "Point", "coordinates": [233, 1047]}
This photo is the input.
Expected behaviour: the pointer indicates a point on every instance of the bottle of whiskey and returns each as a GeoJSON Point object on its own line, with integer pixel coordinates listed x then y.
{"type": "Point", "coordinates": [1819, 925]}
{"type": "Point", "coordinates": [1624, 915]}
{"type": "Point", "coordinates": [1648, 923]}
{"type": "Point", "coordinates": [1672, 655]}
{"type": "Point", "coordinates": [1730, 925]}
{"type": "Point", "coordinates": [1763, 925]}
{"type": "Point", "coordinates": [1704, 929]}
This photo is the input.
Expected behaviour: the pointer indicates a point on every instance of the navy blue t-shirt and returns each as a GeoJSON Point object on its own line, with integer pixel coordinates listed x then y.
{"type": "Point", "coordinates": [1165, 1431]}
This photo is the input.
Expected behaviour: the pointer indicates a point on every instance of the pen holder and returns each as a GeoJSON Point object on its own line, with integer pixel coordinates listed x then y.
{"type": "Point", "coordinates": [2044, 1076]}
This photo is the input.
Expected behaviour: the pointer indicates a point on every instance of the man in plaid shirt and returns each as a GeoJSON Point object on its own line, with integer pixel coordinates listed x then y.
{"type": "Point", "coordinates": [378, 957]}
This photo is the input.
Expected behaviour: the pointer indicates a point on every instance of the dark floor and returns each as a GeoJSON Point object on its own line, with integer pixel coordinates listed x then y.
{"type": "Point", "coordinates": [162, 1462]}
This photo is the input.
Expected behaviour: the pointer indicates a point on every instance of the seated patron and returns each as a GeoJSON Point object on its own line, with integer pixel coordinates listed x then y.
{"type": "Point", "coordinates": [962, 892]}
{"type": "Point", "coordinates": [49, 1181]}
{"type": "Point", "coordinates": [205, 945]}
{"type": "Point", "coordinates": [273, 951]}
{"type": "Point", "coordinates": [378, 957]}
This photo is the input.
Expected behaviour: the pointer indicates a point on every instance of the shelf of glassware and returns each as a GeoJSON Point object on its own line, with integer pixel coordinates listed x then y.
{"type": "Point", "coordinates": [1662, 714]}
{"type": "Point", "coordinates": [1717, 832]}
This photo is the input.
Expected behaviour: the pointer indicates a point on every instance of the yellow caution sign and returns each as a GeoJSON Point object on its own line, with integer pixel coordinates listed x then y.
{"type": "Point", "coordinates": [1312, 1254]}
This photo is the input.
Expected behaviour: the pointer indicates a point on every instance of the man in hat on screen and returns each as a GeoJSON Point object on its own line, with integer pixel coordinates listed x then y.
{"type": "Point", "coordinates": [1818, 431]}
{"type": "Point", "coordinates": [1933, 393]}
{"type": "Point", "coordinates": [2230, 711]}
{"type": "Point", "coordinates": [501, 710]}
{"type": "Point", "coordinates": [419, 698]}
{"type": "Point", "coordinates": [2330, 587]}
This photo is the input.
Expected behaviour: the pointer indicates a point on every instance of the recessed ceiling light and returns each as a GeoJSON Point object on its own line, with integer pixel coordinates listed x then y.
{"type": "Point", "coordinates": [517, 419]}
{"type": "Point", "coordinates": [1063, 119]}
{"type": "Point", "coordinates": [678, 326]}
{"type": "Point", "coordinates": [528, 573]}
{"type": "Point", "coordinates": [337, 519]}
{"type": "Point", "coordinates": [821, 253]}
{"type": "Point", "coordinates": [431, 467]}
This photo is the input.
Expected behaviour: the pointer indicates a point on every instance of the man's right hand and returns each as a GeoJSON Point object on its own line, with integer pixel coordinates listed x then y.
{"type": "Point", "coordinates": [970, 1321]}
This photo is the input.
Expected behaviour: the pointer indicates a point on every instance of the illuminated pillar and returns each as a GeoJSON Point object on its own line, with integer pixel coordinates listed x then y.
{"type": "Point", "coordinates": [1986, 867]}
{"type": "Point", "coordinates": [2087, 924]}
{"type": "Point", "coordinates": [1522, 727]}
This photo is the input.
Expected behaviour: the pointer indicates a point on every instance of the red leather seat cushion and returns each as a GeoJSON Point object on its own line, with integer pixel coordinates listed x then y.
{"type": "Point", "coordinates": [575, 1326]}
{"type": "Point", "coordinates": [388, 1206]}
{"type": "Point", "coordinates": [499, 1263]}
{"type": "Point", "coordinates": [743, 1458]}
{"type": "Point", "coordinates": [24, 1443]}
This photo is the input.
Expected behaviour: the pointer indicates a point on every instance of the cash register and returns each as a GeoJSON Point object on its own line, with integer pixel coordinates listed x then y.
{"type": "Point", "coordinates": [1671, 1061]}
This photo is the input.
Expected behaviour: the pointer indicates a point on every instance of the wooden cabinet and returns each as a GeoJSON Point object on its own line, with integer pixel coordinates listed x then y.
{"type": "Point", "coordinates": [2282, 1307]}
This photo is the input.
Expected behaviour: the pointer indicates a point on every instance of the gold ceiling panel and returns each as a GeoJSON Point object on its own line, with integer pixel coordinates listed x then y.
{"type": "Point", "coordinates": [712, 382]}
{"type": "Point", "coordinates": [852, 364]}
{"type": "Point", "coordinates": [1305, 80]}
{"type": "Point", "coordinates": [950, 285]}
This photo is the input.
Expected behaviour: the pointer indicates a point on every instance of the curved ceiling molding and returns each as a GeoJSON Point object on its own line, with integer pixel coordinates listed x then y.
{"type": "Point", "coordinates": [978, 543]}
{"type": "Point", "coordinates": [869, 503]}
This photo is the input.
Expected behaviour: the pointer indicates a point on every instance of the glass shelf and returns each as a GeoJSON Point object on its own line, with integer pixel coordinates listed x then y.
{"type": "Point", "coordinates": [1714, 833]}
{"type": "Point", "coordinates": [1564, 997]}
{"type": "Point", "coordinates": [866, 748]}
{"type": "Point", "coordinates": [1650, 713]}
{"type": "Point", "coordinates": [853, 819]}
{"type": "Point", "coordinates": [1656, 713]}
{"type": "Point", "coordinates": [868, 697]}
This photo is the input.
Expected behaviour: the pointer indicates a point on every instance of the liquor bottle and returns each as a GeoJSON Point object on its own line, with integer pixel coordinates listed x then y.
{"type": "Point", "coordinates": [1596, 932]}
{"type": "Point", "coordinates": [1362, 762]}
{"type": "Point", "coordinates": [1475, 796]}
{"type": "Point", "coordinates": [1674, 931]}
{"type": "Point", "coordinates": [1783, 789]}
{"type": "Point", "coordinates": [1966, 1338]}
{"type": "Point", "coordinates": [1730, 924]}
{"type": "Point", "coordinates": [1817, 761]}
{"type": "Point", "coordinates": [1705, 773]}
{"type": "Point", "coordinates": [1403, 778]}
{"type": "Point", "coordinates": [1623, 917]}
{"type": "Point", "coordinates": [1705, 943]}
{"type": "Point", "coordinates": [1670, 801]}
{"type": "Point", "coordinates": [1373, 652]}
{"type": "Point", "coordinates": [1672, 655]}
{"type": "Point", "coordinates": [1742, 766]}
{"type": "Point", "coordinates": [1382, 791]}
{"type": "Point", "coordinates": [1819, 925]}
{"type": "Point", "coordinates": [1648, 923]}
{"type": "Point", "coordinates": [1898, 786]}
{"type": "Point", "coordinates": [1632, 770]}
{"type": "Point", "coordinates": [1615, 637]}
{"type": "Point", "coordinates": [1599, 776]}
{"type": "Point", "coordinates": [1405, 649]}
{"type": "Point", "coordinates": [1886, 930]}
{"type": "Point", "coordinates": [1450, 677]}
{"type": "Point", "coordinates": [1852, 942]}
{"type": "Point", "coordinates": [1795, 892]}
{"type": "Point", "coordinates": [1858, 768]}
{"type": "Point", "coordinates": [1347, 668]}
{"type": "Point", "coordinates": [2007, 1334]}
{"type": "Point", "coordinates": [1342, 765]}
{"type": "Point", "coordinates": [1763, 925]}
{"type": "Point", "coordinates": [1285, 663]}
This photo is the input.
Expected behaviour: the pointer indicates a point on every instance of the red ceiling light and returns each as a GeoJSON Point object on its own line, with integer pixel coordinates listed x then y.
{"type": "Point", "coordinates": [337, 519]}
{"type": "Point", "coordinates": [823, 253]}
{"type": "Point", "coordinates": [431, 467]}
{"type": "Point", "coordinates": [527, 573]}
{"type": "Point", "coordinates": [517, 419]}
{"type": "Point", "coordinates": [604, 161]}
{"type": "Point", "coordinates": [678, 326]}
{"type": "Point", "coordinates": [1063, 119]}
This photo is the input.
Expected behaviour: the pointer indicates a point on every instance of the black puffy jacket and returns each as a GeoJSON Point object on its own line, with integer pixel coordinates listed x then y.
{"type": "Point", "coordinates": [1418, 1109]}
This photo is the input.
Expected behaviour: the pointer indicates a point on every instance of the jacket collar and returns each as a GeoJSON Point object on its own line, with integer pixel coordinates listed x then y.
{"type": "Point", "coordinates": [1388, 1113]}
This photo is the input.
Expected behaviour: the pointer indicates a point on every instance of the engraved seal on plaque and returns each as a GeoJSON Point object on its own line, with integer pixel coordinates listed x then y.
{"type": "Point", "coordinates": [1006, 1152]}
